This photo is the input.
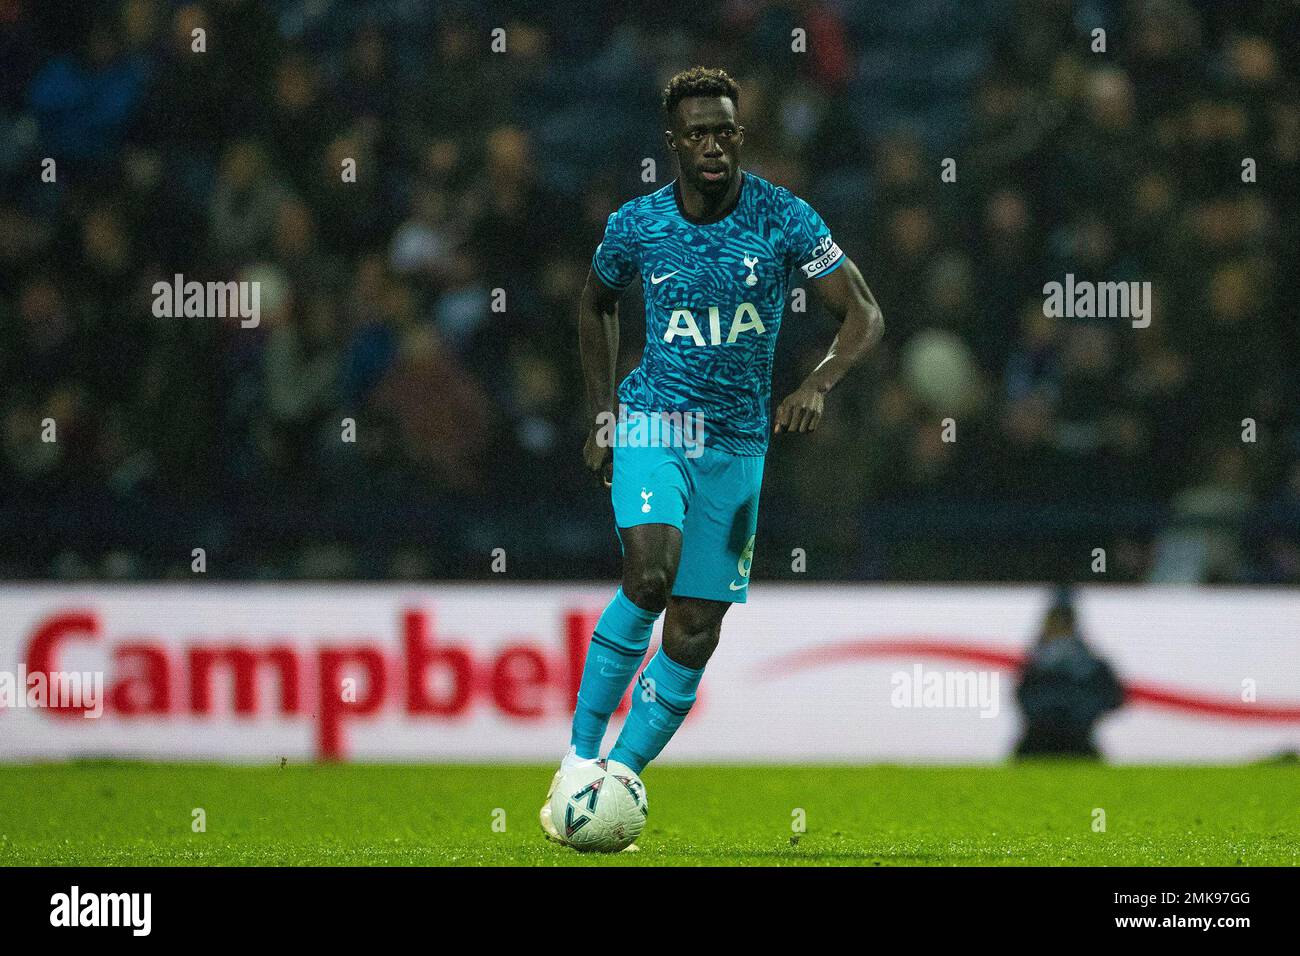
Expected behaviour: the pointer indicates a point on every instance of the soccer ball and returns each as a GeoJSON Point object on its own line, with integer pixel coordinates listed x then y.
{"type": "Point", "coordinates": [599, 807]}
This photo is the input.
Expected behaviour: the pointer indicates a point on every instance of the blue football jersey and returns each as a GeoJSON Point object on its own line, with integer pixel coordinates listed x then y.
{"type": "Point", "coordinates": [714, 297]}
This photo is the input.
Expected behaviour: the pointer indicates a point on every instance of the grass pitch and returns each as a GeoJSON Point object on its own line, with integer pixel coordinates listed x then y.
{"type": "Point", "coordinates": [1036, 814]}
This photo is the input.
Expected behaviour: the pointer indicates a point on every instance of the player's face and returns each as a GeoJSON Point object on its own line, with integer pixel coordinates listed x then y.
{"type": "Point", "coordinates": [707, 140]}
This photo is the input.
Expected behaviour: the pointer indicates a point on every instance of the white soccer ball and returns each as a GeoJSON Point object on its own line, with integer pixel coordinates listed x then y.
{"type": "Point", "coordinates": [599, 807]}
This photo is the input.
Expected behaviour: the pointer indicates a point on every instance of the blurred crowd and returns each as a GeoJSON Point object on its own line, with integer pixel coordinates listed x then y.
{"type": "Point", "coordinates": [432, 301]}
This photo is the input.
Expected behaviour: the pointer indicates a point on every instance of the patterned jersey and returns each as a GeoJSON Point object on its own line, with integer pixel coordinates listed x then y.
{"type": "Point", "coordinates": [714, 296]}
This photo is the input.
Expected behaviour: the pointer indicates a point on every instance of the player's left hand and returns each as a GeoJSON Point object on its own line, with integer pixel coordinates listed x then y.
{"type": "Point", "coordinates": [800, 412]}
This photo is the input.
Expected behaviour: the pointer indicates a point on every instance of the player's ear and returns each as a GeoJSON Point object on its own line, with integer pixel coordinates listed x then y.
{"type": "Point", "coordinates": [740, 135]}
{"type": "Point", "coordinates": [668, 138]}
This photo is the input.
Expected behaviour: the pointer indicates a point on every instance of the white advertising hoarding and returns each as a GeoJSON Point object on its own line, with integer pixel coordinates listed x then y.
{"type": "Point", "coordinates": [488, 672]}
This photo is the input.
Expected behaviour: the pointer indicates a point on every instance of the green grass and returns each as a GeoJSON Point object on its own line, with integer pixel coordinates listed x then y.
{"type": "Point", "coordinates": [1038, 814]}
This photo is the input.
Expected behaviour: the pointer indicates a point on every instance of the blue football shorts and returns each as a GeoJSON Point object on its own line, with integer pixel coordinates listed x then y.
{"type": "Point", "coordinates": [709, 495]}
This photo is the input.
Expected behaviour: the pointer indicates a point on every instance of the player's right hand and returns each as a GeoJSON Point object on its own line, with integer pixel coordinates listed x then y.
{"type": "Point", "coordinates": [596, 456]}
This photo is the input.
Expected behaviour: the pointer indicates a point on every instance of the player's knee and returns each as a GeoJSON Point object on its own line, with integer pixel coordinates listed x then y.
{"type": "Point", "coordinates": [692, 647]}
{"type": "Point", "coordinates": [647, 587]}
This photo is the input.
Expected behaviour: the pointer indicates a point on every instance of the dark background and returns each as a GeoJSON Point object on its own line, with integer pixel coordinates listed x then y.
{"type": "Point", "coordinates": [481, 171]}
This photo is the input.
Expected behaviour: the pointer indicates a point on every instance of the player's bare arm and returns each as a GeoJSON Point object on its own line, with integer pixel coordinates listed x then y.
{"type": "Point", "coordinates": [845, 295]}
{"type": "Point", "coordinates": [598, 348]}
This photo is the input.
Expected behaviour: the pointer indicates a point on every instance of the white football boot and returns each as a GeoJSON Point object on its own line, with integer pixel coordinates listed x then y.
{"type": "Point", "coordinates": [571, 760]}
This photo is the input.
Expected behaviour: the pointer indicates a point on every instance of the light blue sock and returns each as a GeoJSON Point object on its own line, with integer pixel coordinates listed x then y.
{"type": "Point", "coordinates": [617, 648]}
{"type": "Point", "coordinates": [660, 703]}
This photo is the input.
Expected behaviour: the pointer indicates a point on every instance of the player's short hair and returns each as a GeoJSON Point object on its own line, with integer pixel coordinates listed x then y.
{"type": "Point", "coordinates": [699, 81]}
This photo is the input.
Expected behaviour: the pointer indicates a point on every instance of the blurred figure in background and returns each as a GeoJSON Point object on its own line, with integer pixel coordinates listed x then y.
{"type": "Point", "coordinates": [1064, 689]}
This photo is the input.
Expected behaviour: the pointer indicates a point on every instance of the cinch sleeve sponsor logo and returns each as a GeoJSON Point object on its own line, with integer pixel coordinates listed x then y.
{"type": "Point", "coordinates": [825, 255]}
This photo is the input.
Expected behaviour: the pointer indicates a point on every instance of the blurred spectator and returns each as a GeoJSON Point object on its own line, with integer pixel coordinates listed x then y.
{"type": "Point", "coordinates": [85, 99]}
{"type": "Point", "coordinates": [1064, 688]}
{"type": "Point", "coordinates": [1203, 545]}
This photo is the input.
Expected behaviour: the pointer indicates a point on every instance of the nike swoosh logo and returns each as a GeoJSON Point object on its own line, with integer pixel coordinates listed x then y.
{"type": "Point", "coordinates": [738, 587]}
{"type": "Point", "coordinates": [655, 280]}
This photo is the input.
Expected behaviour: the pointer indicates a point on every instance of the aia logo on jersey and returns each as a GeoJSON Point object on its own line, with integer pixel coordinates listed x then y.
{"type": "Point", "coordinates": [683, 324]}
